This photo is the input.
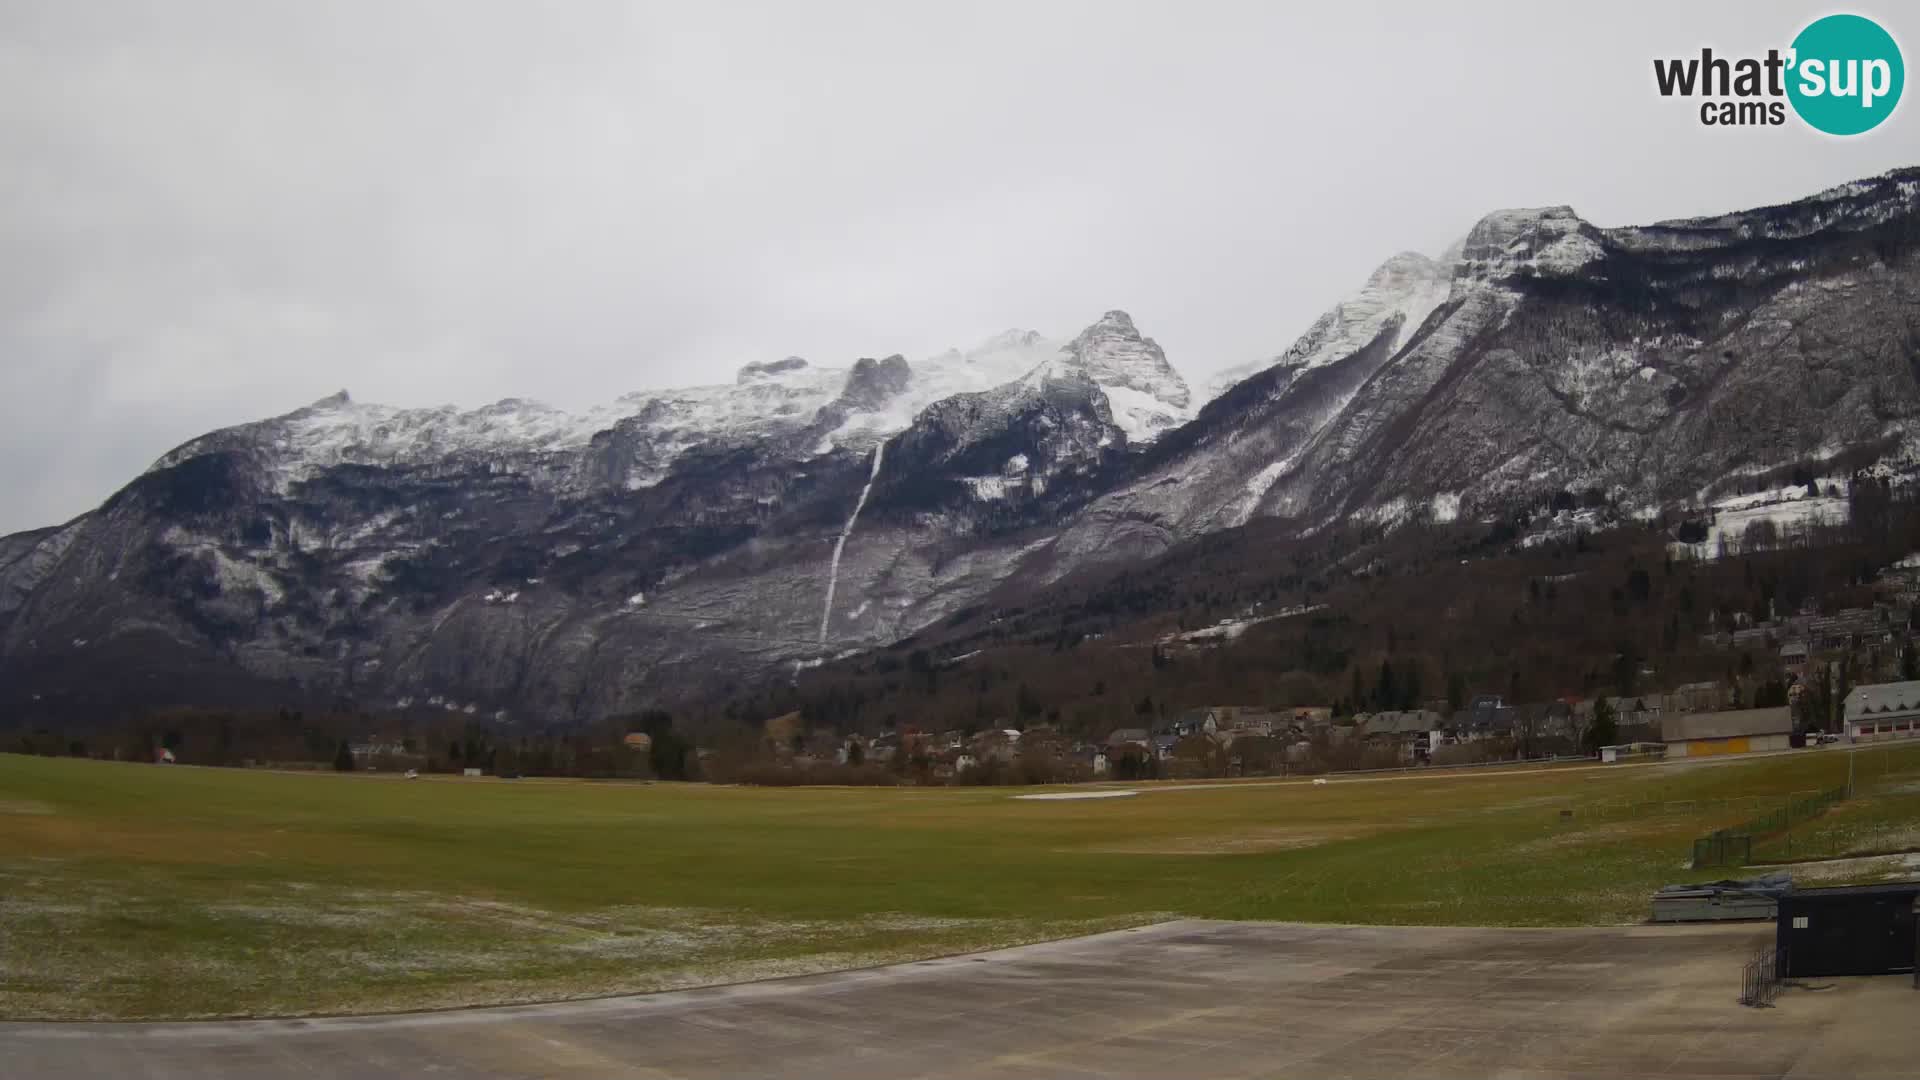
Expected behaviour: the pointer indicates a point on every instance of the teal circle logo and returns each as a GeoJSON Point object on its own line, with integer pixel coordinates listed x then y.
{"type": "Point", "coordinates": [1846, 76]}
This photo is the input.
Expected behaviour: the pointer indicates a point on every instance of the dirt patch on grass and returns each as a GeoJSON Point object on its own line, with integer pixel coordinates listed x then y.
{"type": "Point", "coordinates": [65, 836]}
{"type": "Point", "coordinates": [1239, 841]}
{"type": "Point", "coordinates": [24, 806]}
{"type": "Point", "coordinates": [1862, 870]}
{"type": "Point", "coordinates": [1610, 833]}
{"type": "Point", "coordinates": [89, 949]}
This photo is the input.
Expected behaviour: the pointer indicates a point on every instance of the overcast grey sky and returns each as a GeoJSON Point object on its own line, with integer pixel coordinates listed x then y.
{"type": "Point", "coordinates": [213, 212]}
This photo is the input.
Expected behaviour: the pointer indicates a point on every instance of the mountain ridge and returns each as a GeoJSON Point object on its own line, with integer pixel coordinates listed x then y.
{"type": "Point", "coordinates": [527, 562]}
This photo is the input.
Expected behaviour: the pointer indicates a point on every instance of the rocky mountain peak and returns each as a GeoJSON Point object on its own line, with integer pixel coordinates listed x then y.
{"type": "Point", "coordinates": [1548, 241]}
{"type": "Point", "coordinates": [872, 382]}
{"type": "Point", "coordinates": [769, 369]}
{"type": "Point", "coordinates": [1144, 393]}
{"type": "Point", "coordinates": [1113, 353]}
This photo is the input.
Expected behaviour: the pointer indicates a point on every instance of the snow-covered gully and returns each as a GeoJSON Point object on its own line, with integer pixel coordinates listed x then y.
{"type": "Point", "coordinates": [840, 545]}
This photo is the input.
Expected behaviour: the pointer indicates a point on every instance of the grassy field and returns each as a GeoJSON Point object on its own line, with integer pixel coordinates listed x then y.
{"type": "Point", "coordinates": [141, 891]}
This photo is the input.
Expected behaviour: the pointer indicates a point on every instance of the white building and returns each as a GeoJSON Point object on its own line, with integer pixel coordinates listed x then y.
{"type": "Point", "coordinates": [1883, 711]}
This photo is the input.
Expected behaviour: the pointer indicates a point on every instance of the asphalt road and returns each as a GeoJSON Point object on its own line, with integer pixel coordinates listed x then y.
{"type": "Point", "coordinates": [1180, 999]}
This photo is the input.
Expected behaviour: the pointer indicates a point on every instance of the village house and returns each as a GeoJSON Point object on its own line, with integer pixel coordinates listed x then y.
{"type": "Point", "coordinates": [1636, 718]}
{"type": "Point", "coordinates": [1546, 728]}
{"type": "Point", "coordinates": [1415, 731]}
{"type": "Point", "coordinates": [1696, 697]}
{"type": "Point", "coordinates": [1196, 722]}
{"type": "Point", "coordinates": [1807, 633]}
{"type": "Point", "coordinates": [996, 744]}
{"type": "Point", "coordinates": [1851, 627]}
{"type": "Point", "coordinates": [1794, 656]}
{"type": "Point", "coordinates": [1089, 757]}
{"type": "Point", "coordinates": [373, 748]}
{"type": "Point", "coordinates": [1256, 724]}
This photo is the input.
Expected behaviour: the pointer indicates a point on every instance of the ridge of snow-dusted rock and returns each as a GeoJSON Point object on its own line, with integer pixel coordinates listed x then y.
{"type": "Point", "coordinates": [337, 430]}
{"type": "Point", "coordinates": [767, 400]}
{"type": "Point", "coordinates": [1407, 288]}
{"type": "Point", "coordinates": [769, 369]}
{"type": "Point", "coordinates": [1000, 359]}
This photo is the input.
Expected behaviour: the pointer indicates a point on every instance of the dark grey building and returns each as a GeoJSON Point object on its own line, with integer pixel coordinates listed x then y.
{"type": "Point", "coordinates": [1851, 930]}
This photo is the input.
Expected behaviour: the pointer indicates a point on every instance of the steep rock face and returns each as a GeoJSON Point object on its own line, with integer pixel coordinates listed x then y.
{"type": "Point", "coordinates": [1650, 363]}
{"type": "Point", "coordinates": [518, 562]}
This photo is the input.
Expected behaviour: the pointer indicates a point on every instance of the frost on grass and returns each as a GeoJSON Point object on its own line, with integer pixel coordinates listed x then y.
{"type": "Point", "coordinates": [80, 949]}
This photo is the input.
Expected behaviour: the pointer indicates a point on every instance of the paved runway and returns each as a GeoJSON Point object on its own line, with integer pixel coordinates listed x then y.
{"type": "Point", "coordinates": [1182, 999]}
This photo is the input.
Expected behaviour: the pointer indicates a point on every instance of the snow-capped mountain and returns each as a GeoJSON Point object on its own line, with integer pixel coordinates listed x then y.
{"type": "Point", "coordinates": [519, 553]}
{"type": "Point", "coordinates": [522, 561]}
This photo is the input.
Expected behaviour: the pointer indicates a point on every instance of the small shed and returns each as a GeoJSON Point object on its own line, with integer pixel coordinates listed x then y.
{"type": "Point", "coordinates": [1733, 731]}
{"type": "Point", "coordinates": [1848, 930]}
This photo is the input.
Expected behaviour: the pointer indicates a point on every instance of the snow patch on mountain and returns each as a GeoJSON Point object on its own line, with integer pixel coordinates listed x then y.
{"type": "Point", "coordinates": [1141, 415]}
{"type": "Point", "coordinates": [840, 545]}
{"type": "Point", "coordinates": [1001, 359]}
{"type": "Point", "coordinates": [1787, 509]}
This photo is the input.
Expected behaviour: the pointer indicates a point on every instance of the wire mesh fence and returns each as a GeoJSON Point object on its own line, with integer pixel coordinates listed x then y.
{"type": "Point", "coordinates": [1733, 846]}
{"type": "Point", "coordinates": [1723, 849]}
{"type": "Point", "coordinates": [1624, 810]}
{"type": "Point", "coordinates": [1760, 977]}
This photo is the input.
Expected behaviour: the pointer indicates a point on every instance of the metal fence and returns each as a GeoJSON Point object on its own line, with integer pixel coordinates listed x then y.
{"type": "Point", "coordinates": [1723, 849]}
{"type": "Point", "coordinates": [1760, 978]}
{"type": "Point", "coordinates": [1733, 846]}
